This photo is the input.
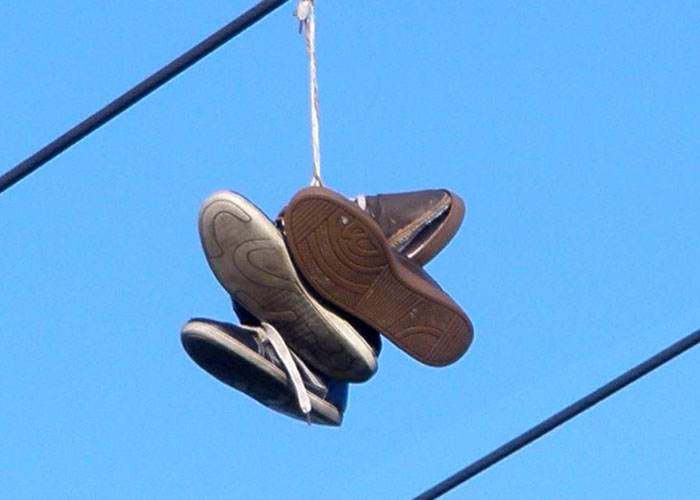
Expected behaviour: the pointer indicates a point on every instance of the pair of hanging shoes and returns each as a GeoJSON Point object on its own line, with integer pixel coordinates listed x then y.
{"type": "Point", "coordinates": [351, 258]}
{"type": "Point", "coordinates": [296, 352]}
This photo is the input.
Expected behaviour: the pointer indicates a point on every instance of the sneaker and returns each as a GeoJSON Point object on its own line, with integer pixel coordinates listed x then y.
{"type": "Point", "coordinates": [257, 362]}
{"type": "Point", "coordinates": [249, 258]}
{"type": "Point", "coordinates": [346, 258]}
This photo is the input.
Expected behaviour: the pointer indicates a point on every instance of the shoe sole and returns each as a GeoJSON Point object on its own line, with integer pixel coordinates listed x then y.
{"type": "Point", "coordinates": [249, 258]}
{"type": "Point", "coordinates": [236, 365]}
{"type": "Point", "coordinates": [345, 258]}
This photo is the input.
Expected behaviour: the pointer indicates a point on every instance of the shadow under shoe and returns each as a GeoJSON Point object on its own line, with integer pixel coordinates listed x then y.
{"type": "Point", "coordinates": [241, 358]}
{"type": "Point", "coordinates": [346, 258]}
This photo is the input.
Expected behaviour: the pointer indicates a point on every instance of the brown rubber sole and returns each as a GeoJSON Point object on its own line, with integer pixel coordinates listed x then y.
{"type": "Point", "coordinates": [345, 257]}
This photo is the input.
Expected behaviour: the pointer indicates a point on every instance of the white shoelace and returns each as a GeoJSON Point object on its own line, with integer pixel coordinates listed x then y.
{"type": "Point", "coordinates": [305, 13]}
{"type": "Point", "coordinates": [361, 201]}
{"type": "Point", "coordinates": [292, 365]}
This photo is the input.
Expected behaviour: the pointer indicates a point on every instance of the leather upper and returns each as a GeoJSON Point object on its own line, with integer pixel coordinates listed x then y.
{"type": "Point", "coordinates": [418, 224]}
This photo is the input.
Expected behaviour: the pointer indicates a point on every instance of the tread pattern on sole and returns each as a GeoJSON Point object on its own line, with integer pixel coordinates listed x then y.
{"type": "Point", "coordinates": [345, 262]}
{"type": "Point", "coordinates": [254, 267]}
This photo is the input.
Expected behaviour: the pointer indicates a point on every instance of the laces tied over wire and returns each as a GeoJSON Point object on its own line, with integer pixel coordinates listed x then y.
{"type": "Point", "coordinates": [305, 13]}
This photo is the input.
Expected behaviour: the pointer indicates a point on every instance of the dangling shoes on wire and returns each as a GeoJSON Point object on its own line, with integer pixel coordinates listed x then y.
{"type": "Point", "coordinates": [256, 361]}
{"type": "Point", "coordinates": [249, 258]}
{"type": "Point", "coordinates": [346, 257]}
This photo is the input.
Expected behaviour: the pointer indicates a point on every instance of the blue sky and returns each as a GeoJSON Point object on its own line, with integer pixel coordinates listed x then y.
{"type": "Point", "coordinates": [569, 128]}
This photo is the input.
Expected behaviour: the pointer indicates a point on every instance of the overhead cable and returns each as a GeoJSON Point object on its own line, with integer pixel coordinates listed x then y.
{"type": "Point", "coordinates": [561, 417]}
{"type": "Point", "coordinates": [135, 94]}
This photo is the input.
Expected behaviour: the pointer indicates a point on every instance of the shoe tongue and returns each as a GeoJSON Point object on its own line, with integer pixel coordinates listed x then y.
{"type": "Point", "coordinates": [407, 217]}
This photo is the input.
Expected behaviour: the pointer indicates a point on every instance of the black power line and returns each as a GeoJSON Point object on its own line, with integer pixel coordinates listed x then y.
{"type": "Point", "coordinates": [563, 416]}
{"type": "Point", "coordinates": [131, 97]}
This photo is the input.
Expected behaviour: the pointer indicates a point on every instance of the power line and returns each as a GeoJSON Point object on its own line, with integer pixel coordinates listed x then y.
{"type": "Point", "coordinates": [135, 94]}
{"type": "Point", "coordinates": [563, 416]}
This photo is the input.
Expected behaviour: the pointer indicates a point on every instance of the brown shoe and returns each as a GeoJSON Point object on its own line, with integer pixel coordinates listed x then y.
{"type": "Point", "coordinates": [346, 258]}
{"type": "Point", "coordinates": [418, 224]}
